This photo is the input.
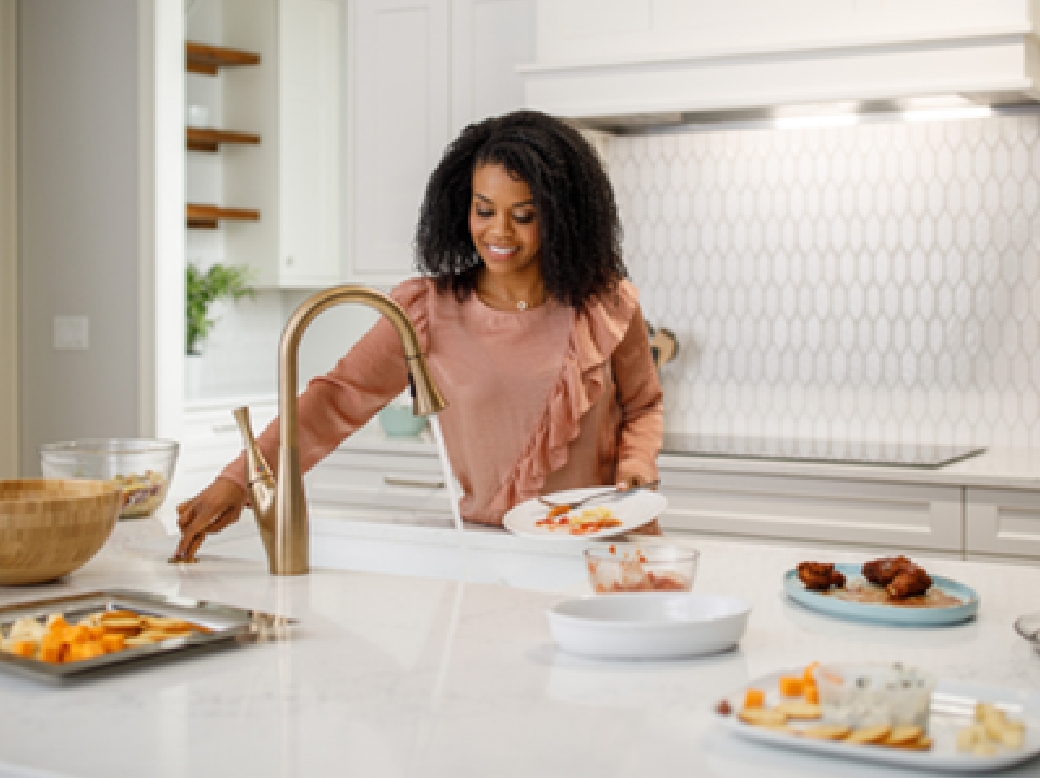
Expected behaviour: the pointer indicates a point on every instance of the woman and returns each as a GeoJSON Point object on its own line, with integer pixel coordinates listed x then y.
{"type": "Point", "coordinates": [531, 330]}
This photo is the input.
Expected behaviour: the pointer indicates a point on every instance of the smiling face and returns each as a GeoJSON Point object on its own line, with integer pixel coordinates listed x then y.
{"type": "Point", "coordinates": [504, 225]}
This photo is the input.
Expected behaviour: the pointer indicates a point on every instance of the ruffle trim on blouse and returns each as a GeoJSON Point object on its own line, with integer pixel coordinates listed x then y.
{"type": "Point", "coordinates": [413, 295]}
{"type": "Point", "coordinates": [597, 333]}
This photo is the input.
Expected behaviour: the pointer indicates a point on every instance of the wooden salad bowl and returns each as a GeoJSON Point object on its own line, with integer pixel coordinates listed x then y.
{"type": "Point", "coordinates": [48, 528]}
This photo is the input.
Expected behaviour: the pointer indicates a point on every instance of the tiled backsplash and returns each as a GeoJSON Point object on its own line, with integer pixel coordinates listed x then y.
{"type": "Point", "coordinates": [878, 282]}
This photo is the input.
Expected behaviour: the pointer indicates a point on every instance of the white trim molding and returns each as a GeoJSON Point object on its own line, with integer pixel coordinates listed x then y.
{"type": "Point", "coordinates": [161, 215]}
{"type": "Point", "coordinates": [9, 329]}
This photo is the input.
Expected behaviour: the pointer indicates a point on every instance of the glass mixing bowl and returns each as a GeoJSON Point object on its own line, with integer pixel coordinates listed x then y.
{"type": "Point", "coordinates": [143, 467]}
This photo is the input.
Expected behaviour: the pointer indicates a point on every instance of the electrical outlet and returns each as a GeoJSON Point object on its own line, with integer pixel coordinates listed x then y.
{"type": "Point", "coordinates": [71, 333]}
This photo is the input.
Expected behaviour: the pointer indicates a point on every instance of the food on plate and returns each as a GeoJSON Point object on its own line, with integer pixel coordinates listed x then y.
{"type": "Point", "coordinates": [55, 640]}
{"type": "Point", "coordinates": [588, 521]}
{"type": "Point", "coordinates": [791, 686]}
{"type": "Point", "coordinates": [900, 577]}
{"type": "Point", "coordinates": [991, 731]}
{"type": "Point", "coordinates": [865, 697]}
{"type": "Point", "coordinates": [142, 494]}
{"type": "Point", "coordinates": [896, 581]}
{"type": "Point", "coordinates": [870, 736]}
{"type": "Point", "coordinates": [875, 694]}
{"type": "Point", "coordinates": [724, 708]}
{"type": "Point", "coordinates": [762, 717]}
{"type": "Point", "coordinates": [801, 711]}
{"type": "Point", "coordinates": [827, 732]}
{"type": "Point", "coordinates": [820, 576]}
{"type": "Point", "coordinates": [754, 698]}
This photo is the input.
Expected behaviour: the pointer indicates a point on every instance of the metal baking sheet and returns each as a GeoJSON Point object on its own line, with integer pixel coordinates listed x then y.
{"type": "Point", "coordinates": [230, 626]}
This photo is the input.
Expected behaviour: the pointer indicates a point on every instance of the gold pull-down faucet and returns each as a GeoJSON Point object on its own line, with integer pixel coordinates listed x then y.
{"type": "Point", "coordinates": [278, 501]}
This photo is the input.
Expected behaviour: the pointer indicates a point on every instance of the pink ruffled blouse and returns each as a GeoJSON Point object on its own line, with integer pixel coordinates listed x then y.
{"type": "Point", "coordinates": [538, 400]}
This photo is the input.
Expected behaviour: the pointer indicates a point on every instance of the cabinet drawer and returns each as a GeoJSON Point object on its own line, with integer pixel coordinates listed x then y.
{"type": "Point", "coordinates": [379, 480]}
{"type": "Point", "coordinates": [903, 516]}
{"type": "Point", "coordinates": [1002, 521]}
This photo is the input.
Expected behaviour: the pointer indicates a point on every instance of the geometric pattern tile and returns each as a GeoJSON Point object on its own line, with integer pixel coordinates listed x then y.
{"type": "Point", "coordinates": [877, 282]}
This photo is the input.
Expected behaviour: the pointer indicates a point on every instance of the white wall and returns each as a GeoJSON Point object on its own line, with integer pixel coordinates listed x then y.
{"type": "Point", "coordinates": [8, 241]}
{"type": "Point", "coordinates": [79, 155]}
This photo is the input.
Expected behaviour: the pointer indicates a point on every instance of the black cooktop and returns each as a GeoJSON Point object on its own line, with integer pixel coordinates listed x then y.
{"type": "Point", "coordinates": [920, 455]}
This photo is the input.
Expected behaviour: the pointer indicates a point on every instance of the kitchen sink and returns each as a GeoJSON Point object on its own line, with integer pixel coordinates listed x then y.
{"type": "Point", "coordinates": [479, 555]}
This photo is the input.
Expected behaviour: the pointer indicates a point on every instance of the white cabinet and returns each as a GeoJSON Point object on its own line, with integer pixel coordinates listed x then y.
{"type": "Point", "coordinates": [292, 98]}
{"type": "Point", "coordinates": [489, 38]}
{"type": "Point", "coordinates": [1002, 521]}
{"type": "Point", "coordinates": [418, 72]}
{"type": "Point", "coordinates": [902, 516]}
{"type": "Point", "coordinates": [379, 479]}
{"type": "Point", "coordinates": [399, 126]}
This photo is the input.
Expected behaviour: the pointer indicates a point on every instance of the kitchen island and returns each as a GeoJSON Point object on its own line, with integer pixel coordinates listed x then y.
{"type": "Point", "coordinates": [403, 666]}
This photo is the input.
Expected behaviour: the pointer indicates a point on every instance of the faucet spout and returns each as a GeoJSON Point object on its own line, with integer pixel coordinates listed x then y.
{"type": "Point", "coordinates": [279, 501]}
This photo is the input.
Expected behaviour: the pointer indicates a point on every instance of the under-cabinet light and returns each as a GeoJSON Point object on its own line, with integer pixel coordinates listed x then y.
{"type": "Point", "coordinates": [945, 114]}
{"type": "Point", "coordinates": [805, 122]}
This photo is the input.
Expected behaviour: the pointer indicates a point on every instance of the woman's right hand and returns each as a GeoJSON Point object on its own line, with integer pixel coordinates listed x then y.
{"type": "Point", "coordinates": [207, 513]}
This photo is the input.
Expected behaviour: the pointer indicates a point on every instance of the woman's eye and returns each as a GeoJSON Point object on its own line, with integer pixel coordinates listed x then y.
{"type": "Point", "coordinates": [524, 218]}
{"type": "Point", "coordinates": [484, 214]}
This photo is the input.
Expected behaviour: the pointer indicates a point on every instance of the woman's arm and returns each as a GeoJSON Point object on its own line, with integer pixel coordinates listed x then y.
{"type": "Point", "coordinates": [641, 400]}
{"type": "Point", "coordinates": [332, 407]}
{"type": "Point", "coordinates": [340, 402]}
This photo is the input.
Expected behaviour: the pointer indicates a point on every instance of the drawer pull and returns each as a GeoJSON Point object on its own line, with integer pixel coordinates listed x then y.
{"type": "Point", "coordinates": [220, 428]}
{"type": "Point", "coordinates": [414, 483]}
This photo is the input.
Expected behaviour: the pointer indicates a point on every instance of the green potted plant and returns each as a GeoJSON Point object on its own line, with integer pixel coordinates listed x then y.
{"type": "Point", "coordinates": [202, 289]}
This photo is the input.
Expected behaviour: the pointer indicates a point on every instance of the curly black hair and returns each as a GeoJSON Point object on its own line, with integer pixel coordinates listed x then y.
{"type": "Point", "coordinates": [578, 221]}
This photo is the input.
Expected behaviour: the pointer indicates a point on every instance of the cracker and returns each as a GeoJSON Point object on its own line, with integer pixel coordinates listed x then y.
{"type": "Point", "coordinates": [782, 729]}
{"type": "Point", "coordinates": [923, 743]}
{"type": "Point", "coordinates": [762, 717]}
{"type": "Point", "coordinates": [801, 711]}
{"type": "Point", "coordinates": [904, 734]}
{"type": "Point", "coordinates": [827, 732]}
{"type": "Point", "coordinates": [870, 735]}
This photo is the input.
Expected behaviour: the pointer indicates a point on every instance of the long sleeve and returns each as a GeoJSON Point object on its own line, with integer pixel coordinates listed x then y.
{"type": "Point", "coordinates": [340, 402]}
{"type": "Point", "coordinates": [640, 398]}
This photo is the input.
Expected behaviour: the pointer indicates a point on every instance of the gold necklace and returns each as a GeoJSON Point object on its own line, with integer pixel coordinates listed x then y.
{"type": "Point", "coordinates": [521, 305]}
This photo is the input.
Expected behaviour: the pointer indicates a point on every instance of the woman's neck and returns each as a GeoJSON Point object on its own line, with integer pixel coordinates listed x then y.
{"type": "Point", "coordinates": [511, 294]}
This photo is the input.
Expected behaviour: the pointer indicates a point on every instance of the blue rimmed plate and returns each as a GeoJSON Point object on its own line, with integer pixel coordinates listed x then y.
{"type": "Point", "coordinates": [886, 614]}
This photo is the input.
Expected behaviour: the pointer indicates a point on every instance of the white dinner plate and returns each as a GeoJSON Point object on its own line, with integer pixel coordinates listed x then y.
{"type": "Point", "coordinates": [633, 509]}
{"type": "Point", "coordinates": [953, 705]}
{"type": "Point", "coordinates": [648, 625]}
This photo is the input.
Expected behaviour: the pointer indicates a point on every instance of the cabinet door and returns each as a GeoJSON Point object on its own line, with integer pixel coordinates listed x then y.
{"type": "Point", "coordinates": [400, 126]}
{"type": "Point", "coordinates": [355, 478]}
{"type": "Point", "coordinates": [1002, 521]}
{"type": "Point", "coordinates": [489, 38]}
{"type": "Point", "coordinates": [901, 516]}
{"type": "Point", "coordinates": [309, 100]}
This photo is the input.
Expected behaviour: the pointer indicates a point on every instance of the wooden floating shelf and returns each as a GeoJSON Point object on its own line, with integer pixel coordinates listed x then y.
{"type": "Point", "coordinates": [206, 217]}
{"type": "Point", "coordinates": [207, 60]}
{"type": "Point", "coordinates": [205, 139]}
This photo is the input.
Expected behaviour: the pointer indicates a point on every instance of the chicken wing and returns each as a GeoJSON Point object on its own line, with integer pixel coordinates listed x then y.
{"type": "Point", "coordinates": [882, 571]}
{"type": "Point", "coordinates": [908, 583]}
{"type": "Point", "coordinates": [900, 577]}
{"type": "Point", "coordinates": [819, 576]}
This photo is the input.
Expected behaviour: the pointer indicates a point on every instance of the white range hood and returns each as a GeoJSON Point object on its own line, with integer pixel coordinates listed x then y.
{"type": "Point", "coordinates": [626, 62]}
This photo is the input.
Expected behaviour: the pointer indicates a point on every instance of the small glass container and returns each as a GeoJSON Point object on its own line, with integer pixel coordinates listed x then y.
{"type": "Point", "coordinates": [875, 694]}
{"type": "Point", "coordinates": [640, 567]}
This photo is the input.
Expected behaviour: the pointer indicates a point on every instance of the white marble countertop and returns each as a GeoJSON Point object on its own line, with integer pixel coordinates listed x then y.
{"type": "Point", "coordinates": [438, 674]}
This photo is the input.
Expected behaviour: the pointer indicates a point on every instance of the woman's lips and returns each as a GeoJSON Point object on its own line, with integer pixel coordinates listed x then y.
{"type": "Point", "coordinates": [502, 251]}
